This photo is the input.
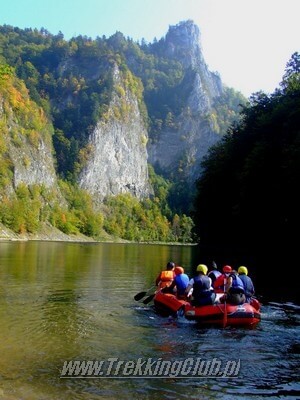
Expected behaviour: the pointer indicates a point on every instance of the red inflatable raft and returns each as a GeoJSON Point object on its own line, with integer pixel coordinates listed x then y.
{"type": "Point", "coordinates": [217, 314]}
{"type": "Point", "coordinates": [168, 304]}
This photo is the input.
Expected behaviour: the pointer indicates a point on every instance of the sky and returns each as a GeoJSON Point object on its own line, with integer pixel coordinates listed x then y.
{"type": "Point", "coordinates": [248, 42]}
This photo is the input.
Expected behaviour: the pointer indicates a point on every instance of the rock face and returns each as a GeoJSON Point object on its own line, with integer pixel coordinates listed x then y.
{"type": "Point", "coordinates": [117, 149]}
{"type": "Point", "coordinates": [28, 147]}
{"type": "Point", "coordinates": [118, 158]}
{"type": "Point", "coordinates": [188, 141]}
{"type": "Point", "coordinates": [33, 165]}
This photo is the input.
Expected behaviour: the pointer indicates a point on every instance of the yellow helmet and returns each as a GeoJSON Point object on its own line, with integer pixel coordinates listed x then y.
{"type": "Point", "coordinates": [202, 268]}
{"type": "Point", "coordinates": [243, 270]}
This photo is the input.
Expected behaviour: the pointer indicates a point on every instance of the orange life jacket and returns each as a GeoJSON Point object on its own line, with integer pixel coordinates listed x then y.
{"type": "Point", "coordinates": [166, 278]}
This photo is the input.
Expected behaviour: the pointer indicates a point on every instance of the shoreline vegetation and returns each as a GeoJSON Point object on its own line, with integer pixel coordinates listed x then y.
{"type": "Point", "coordinates": [50, 233]}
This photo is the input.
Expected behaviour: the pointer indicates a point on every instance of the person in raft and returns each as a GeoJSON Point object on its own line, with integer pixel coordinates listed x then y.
{"type": "Point", "coordinates": [234, 290]}
{"type": "Point", "coordinates": [203, 293]}
{"type": "Point", "coordinates": [220, 283]}
{"type": "Point", "coordinates": [165, 278]}
{"type": "Point", "coordinates": [179, 284]}
{"type": "Point", "coordinates": [247, 281]}
{"type": "Point", "coordinates": [214, 273]}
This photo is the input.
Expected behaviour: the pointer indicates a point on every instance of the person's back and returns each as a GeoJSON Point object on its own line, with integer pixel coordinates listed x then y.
{"type": "Point", "coordinates": [213, 274]}
{"type": "Point", "coordinates": [235, 289]}
{"type": "Point", "coordinates": [165, 278]}
{"type": "Point", "coordinates": [220, 282]}
{"type": "Point", "coordinates": [181, 282]}
{"type": "Point", "coordinates": [203, 293]}
{"type": "Point", "coordinates": [247, 281]}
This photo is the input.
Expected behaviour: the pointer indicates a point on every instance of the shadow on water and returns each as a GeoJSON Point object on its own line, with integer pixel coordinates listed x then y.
{"type": "Point", "coordinates": [266, 268]}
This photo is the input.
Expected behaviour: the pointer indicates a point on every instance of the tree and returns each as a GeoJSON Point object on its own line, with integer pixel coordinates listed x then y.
{"type": "Point", "coordinates": [247, 193]}
{"type": "Point", "coordinates": [291, 78]}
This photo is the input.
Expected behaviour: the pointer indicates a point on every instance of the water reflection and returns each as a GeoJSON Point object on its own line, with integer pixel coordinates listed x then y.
{"type": "Point", "coordinates": [68, 301]}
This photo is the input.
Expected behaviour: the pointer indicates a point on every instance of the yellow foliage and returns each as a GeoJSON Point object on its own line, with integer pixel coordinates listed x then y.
{"type": "Point", "coordinates": [26, 161]}
{"type": "Point", "coordinates": [144, 140]}
{"type": "Point", "coordinates": [34, 137]}
{"type": "Point", "coordinates": [85, 153]}
{"type": "Point", "coordinates": [120, 91]}
{"type": "Point", "coordinates": [3, 127]}
{"type": "Point", "coordinates": [63, 218]}
{"type": "Point", "coordinates": [22, 228]}
{"type": "Point", "coordinates": [20, 109]}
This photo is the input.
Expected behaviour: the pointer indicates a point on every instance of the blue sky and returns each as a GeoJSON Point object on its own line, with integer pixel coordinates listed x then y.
{"type": "Point", "coordinates": [248, 42]}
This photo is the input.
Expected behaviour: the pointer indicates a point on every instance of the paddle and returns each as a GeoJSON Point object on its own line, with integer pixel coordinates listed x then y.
{"type": "Point", "coordinates": [149, 298]}
{"type": "Point", "coordinates": [225, 307]}
{"type": "Point", "coordinates": [225, 315]}
{"type": "Point", "coordinates": [140, 295]}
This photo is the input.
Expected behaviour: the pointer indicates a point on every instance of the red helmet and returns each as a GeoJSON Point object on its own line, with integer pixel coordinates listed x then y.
{"type": "Point", "coordinates": [178, 270]}
{"type": "Point", "coordinates": [227, 269]}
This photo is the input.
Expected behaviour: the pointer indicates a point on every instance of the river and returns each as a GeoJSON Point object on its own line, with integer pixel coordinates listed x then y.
{"type": "Point", "coordinates": [61, 302]}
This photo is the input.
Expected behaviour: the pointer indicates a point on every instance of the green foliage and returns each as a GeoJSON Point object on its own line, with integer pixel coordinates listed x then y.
{"type": "Point", "coordinates": [20, 110]}
{"type": "Point", "coordinates": [161, 188]}
{"type": "Point", "coordinates": [72, 81]}
{"type": "Point", "coordinates": [5, 71]}
{"type": "Point", "coordinates": [6, 166]}
{"type": "Point", "coordinates": [291, 78]}
{"type": "Point", "coordinates": [182, 228]}
{"type": "Point", "coordinates": [247, 194]}
{"type": "Point", "coordinates": [34, 205]}
{"type": "Point", "coordinates": [228, 109]}
{"type": "Point", "coordinates": [21, 214]}
{"type": "Point", "coordinates": [71, 84]}
{"type": "Point", "coordinates": [130, 219]}
{"type": "Point", "coordinates": [81, 216]}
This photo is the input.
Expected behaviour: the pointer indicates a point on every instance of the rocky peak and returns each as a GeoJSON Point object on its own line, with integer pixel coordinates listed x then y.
{"type": "Point", "coordinates": [192, 134]}
{"type": "Point", "coordinates": [183, 42]}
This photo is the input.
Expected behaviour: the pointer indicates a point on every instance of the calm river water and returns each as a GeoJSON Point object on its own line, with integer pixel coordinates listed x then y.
{"type": "Point", "coordinates": [74, 301]}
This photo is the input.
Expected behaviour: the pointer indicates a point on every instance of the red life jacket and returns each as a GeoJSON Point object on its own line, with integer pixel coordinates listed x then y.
{"type": "Point", "coordinates": [219, 283]}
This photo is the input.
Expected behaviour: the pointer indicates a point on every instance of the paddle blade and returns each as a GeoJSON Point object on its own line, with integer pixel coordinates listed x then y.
{"type": "Point", "coordinates": [225, 315]}
{"type": "Point", "coordinates": [139, 296]}
{"type": "Point", "coordinates": [148, 299]}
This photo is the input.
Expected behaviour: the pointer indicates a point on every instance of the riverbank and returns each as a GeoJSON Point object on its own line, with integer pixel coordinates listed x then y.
{"type": "Point", "coordinates": [47, 232]}
{"type": "Point", "coordinates": [50, 233]}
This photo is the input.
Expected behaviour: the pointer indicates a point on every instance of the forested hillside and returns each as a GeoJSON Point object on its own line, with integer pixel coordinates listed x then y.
{"type": "Point", "coordinates": [70, 86]}
{"type": "Point", "coordinates": [248, 193]}
{"type": "Point", "coordinates": [56, 94]}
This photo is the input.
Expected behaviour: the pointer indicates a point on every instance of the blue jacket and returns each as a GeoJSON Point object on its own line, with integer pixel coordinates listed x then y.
{"type": "Point", "coordinates": [214, 274]}
{"type": "Point", "coordinates": [248, 285]}
{"type": "Point", "coordinates": [181, 281]}
{"type": "Point", "coordinates": [237, 285]}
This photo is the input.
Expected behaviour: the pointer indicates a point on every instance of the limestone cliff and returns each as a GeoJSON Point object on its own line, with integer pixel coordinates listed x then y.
{"type": "Point", "coordinates": [101, 120]}
{"type": "Point", "coordinates": [182, 145]}
{"type": "Point", "coordinates": [118, 156]}
{"type": "Point", "coordinates": [32, 164]}
{"type": "Point", "coordinates": [26, 148]}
